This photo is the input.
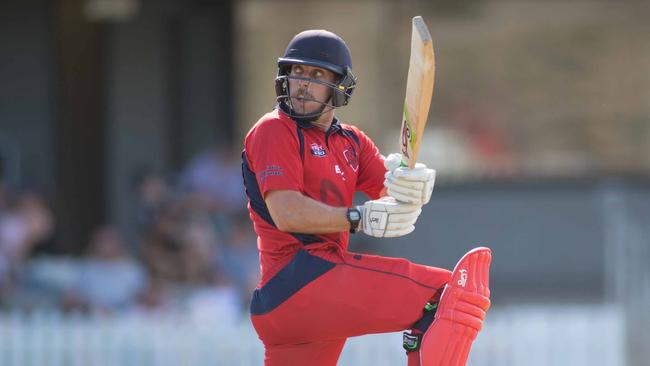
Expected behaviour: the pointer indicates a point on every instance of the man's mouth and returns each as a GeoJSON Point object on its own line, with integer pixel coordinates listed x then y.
{"type": "Point", "coordinates": [302, 96]}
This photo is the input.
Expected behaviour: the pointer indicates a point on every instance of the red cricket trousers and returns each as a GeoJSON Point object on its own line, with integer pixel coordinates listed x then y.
{"type": "Point", "coordinates": [305, 313]}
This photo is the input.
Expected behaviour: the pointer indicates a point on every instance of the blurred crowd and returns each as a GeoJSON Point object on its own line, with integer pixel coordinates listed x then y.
{"type": "Point", "coordinates": [193, 249]}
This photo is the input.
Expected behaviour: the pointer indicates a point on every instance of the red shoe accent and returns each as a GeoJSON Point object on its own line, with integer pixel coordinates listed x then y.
{"type": "Point", "coordinates": [460, 313]}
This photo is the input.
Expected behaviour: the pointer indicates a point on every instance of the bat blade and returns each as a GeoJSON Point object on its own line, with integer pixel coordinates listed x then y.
{"type": "Point", "coordinates": [419, 89]}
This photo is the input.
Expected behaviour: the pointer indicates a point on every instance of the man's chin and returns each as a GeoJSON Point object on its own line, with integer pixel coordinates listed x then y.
{"type": "Point", "coordinates": [305, 111]}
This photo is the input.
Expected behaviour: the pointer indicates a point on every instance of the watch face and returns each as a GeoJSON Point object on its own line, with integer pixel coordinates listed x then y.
{"type": "Point", "coordinates": [354, 215]}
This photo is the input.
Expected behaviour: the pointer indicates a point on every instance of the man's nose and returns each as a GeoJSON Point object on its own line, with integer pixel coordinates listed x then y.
{"type": "Point", "coordinates": [303, 83]}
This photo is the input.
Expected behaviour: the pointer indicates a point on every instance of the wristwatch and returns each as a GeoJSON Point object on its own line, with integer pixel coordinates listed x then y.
{"type": "Point", "coordinates": [354, 217]}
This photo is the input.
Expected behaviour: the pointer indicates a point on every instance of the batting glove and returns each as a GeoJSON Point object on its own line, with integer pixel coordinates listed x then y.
{"type": "Point", "coordinates": [388, 218]}
{"type": "Point", "coordinates": [412, 186]}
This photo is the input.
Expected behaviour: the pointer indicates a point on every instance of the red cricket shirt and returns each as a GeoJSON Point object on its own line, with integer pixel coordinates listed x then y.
{"type": "Point", "coordinates": [281, 153]}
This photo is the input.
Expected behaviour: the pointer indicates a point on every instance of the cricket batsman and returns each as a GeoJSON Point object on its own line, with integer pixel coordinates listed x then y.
{"type": "Point", "coordinates": [301, 167]}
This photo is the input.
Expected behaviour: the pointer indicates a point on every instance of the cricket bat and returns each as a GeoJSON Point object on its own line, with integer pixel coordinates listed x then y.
{"type": "Point", "coordinates": [419, 89]}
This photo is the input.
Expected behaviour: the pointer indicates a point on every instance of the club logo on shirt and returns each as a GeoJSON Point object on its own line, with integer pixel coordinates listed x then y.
{"type": "Point", "coordinates": [350, 155]}
{"type": "Point", "coordinates": [317, 150]}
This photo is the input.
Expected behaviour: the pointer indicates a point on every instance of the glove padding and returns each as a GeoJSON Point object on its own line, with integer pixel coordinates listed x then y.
{"type": "Point", "coordinates": [412, 186]}
{"type": "Point", "coordinates": [387, 218]}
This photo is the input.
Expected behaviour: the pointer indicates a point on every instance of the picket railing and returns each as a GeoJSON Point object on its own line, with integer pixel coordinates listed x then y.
{"type": "Point", "coordinates": [573, 335]}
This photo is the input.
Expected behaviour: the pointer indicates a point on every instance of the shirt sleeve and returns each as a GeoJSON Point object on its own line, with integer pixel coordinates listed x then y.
{"type": "Point", "coordinates": [371, 167]}
{"type": "Point", "coordinates": [272, 150]}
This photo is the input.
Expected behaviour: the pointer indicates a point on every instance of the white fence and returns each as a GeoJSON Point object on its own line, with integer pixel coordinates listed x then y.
{"type": "Point", "coordinates": [573, 335]}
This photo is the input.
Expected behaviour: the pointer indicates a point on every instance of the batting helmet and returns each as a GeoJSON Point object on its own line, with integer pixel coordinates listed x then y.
{"type": "Point", "coordinates": [323, 49]}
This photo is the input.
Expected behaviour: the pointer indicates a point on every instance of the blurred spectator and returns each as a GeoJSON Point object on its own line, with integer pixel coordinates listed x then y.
{"type": "Point", "coordinates": [46, 279]}
{"type": "Point", "coordinates": [238, 258]}
{"type": "Point", "coordinates": [198, 251]}
{"type": "Point", "coordinates": [214, 179]}
{"type": "Point", "coordinates": [153, 193]}
{"type": "Point", "coordinates": [109, 279]}
{"type": "Point", "coordinates": [198, 240]}
{"type": "Point", "coordinates": [179, 245]}
{"type": "Point", "coordinates": [25, 221]}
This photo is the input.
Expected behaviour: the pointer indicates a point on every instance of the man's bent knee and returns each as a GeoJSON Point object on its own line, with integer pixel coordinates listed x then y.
{"type": "Point", "coordinates": [458, 318]}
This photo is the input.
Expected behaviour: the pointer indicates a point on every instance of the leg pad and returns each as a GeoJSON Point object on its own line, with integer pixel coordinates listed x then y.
{"type": "Point", "coordinates": [460, 314]}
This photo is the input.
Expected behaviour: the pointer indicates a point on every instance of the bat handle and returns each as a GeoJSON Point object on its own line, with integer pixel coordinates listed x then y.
{"type": "Point", "coordinates": [402, 164]}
